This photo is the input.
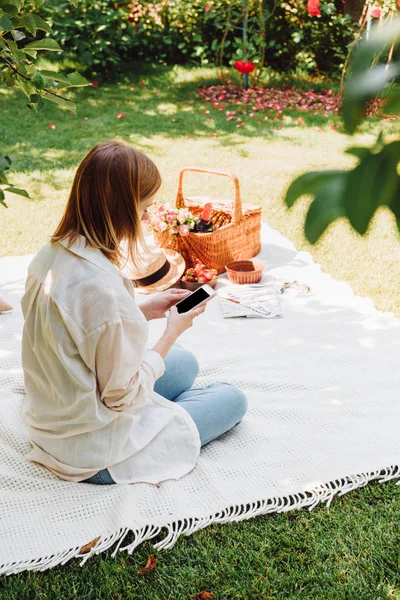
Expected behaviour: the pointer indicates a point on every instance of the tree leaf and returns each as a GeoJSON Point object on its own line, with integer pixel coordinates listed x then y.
{"type": "Point", "coordinates": [28, 22]}
{"type": "Point", "coordinates": [17, 54]}
{"type": "Point", "coordinates": [87, 547]}
{"type": "Point", "coordinates": [380, 38]}
{"type": "Point", "coordinates": [360, 152]}
{"type": "Point", "coordinates": [64, 103]}
{"type": "Point", "coordinates": [25, 86]}
{"type": "Point", "coordinates": [326, 207]}
{"type": "Point", "coordinates": [9, 9]}
{"type": "Point", "coordinates": [17, 191]}
{"type": "Point", "coordinates": [395, 206]}
{"type": "Point", "coordinates": [3, 178]}
{"type": "Point", "coordinates": [2, 201]}
{"type": "Point", "coordinates": [5, 162]}
{"type": "Point", "coordinates": [76, 80]}
{"type": "Point", "coordinates": [308, 184]}
{"type": "Point", "coordinates": [34, 22]}
{"type": "Point", "coordinates": [44, 44]}
{"type": "Point", "coordinates": [5, 23]}
{"type": "Point", "coordinates": [361, 89]}
{"type": "Point", "coordinates": [203, 595]}
{"type": "Point", "coordinates": [55, 76]}
{"type": "Point", "coordinates": [38, 81]}
{"type": "Point", "coordinates": [150, 565]}
{"type": "Point", "coordinates": [368, 186]}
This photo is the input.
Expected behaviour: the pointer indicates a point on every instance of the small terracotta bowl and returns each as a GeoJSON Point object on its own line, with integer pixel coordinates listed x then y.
{"type": "Point", "coordinates": [244, 271]}
{"type": "Point", "coordinates": [194, 285]}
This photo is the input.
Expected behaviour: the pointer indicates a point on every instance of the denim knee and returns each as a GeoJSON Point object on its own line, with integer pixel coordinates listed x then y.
{"type": "Point", "coordinates": [237, 401]}
{"type": "Point", "coordinates": [188, 365]}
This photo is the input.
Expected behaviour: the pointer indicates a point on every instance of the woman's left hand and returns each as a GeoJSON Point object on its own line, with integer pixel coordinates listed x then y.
{"type": "Point", "coordinates": [156, 307]}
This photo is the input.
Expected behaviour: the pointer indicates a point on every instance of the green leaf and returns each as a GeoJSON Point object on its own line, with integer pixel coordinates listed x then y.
{"type": "Point", "coordinates": [17, 3]}
{"type": "Point", "coordinates": [371, 184]}
{"type": "Point", "coordinates": [55, 76]}
{"type": "Point", "coordinates": [28, 22]}
{"type": "Point", "coordinates": [359, 152]}
{"type": "Point", "coordinates": [44, 44]}
{"type": "Point", "coordinates": [17, 191]}
{"type": "Point", "coordinates": [5, 162]}
{"type": "Point", "coordinates": [38, 81]}
{"type": "Point", "coordinates": [25, 86]}
{"type": "Point", "coordinates": [17, 54]}
{"type": "Point", "coordinates": [380, 38]}
{"type": "Point", "coordinates": [68, 104]}
{"type": "Point", "coordinates": [308, 184]}
{"type": "Point", "coordinates": [3, 178]}
{"type": "Point", "coordinates": [34, 22]}
{"type": "Point", "coordinates": [2, 201]}
{"type": "Point", "coordinates": [9, 9]}
{"type": "Point", "coordinates": [76, 80]}
{"type": "Point", "coordinates": [363, 88]}
{"type": "Point", "coordinates": [38, 3]}
{"type": "Point", "coordinates": [326, 207]}
{"type": "Point", "coordinates": [395, 206]}
{"type": "Point", "coordinates": [5, 23]}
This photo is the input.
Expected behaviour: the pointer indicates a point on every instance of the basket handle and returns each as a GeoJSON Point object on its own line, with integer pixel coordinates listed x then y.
{"type": "Point", "coordinates": [237, 204]}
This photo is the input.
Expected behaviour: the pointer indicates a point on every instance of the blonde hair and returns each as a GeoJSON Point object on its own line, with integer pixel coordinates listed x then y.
{"type": "Point", "coordinates": [105, 199]}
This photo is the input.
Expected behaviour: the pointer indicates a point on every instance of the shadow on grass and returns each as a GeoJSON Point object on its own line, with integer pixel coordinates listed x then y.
{"type": "Point", "coordinates": [157, 102]}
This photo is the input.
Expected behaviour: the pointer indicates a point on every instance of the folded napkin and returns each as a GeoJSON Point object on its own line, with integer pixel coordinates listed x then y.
{"type": "Point", "coordinates": [256, 300]}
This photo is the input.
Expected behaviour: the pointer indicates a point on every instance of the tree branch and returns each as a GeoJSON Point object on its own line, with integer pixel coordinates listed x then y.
{"type": "Point", "coordinates": [15, 70]}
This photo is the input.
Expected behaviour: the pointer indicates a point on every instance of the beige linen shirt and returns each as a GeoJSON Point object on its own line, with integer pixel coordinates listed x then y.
{"type": "Point", "coordinates": [89, 379]}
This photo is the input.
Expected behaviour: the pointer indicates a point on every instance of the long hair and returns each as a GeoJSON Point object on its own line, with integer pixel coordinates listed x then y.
{"type": "Point", "coordinates": [104, 204]}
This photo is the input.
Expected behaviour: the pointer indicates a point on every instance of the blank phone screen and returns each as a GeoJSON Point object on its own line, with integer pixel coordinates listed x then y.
{"type": "Point", "coordinates": [193, 300]}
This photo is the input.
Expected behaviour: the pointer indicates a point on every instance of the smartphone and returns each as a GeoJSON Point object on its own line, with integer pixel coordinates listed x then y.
{"type": "Point", "coordinates": [202, 294]}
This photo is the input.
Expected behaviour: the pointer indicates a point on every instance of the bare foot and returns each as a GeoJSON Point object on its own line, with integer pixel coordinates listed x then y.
{"type": "Point", "coordinates": [4, 306]}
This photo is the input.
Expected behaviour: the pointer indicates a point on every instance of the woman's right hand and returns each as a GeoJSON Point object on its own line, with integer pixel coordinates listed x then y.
{"type": "Point", "coordinates": [178, 322]}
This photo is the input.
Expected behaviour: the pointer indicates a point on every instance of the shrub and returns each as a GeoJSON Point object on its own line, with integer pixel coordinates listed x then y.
{"type": "Point", "coordinates": [96, 33]}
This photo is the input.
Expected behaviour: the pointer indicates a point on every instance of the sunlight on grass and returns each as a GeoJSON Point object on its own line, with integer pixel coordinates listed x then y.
{"type": "Point", "coordinates": [177, 129]}
{"type": "Point", "coordinates": [350, 551]}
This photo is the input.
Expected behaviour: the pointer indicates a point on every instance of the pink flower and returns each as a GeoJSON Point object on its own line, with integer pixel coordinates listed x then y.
{"type": "Point", "coordinates": [376, 13]}
{"type": "Point", "coordinates": [52, 126]}
{"type": "Point", "coordinates": [85, 118]}
{"type": "Point", "coordinates": [206, 112]}
{"type": "Point", "coordinates": [207, 8]}
{"type": "Point", "coordinates": [183, 230]}
{"type": "Point", "coordinates": [161, 225]}
{"type": "Point", "coordinates": [120, 115]}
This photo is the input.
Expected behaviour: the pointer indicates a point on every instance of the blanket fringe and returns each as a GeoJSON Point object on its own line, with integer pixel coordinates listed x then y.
{"type": "Point", "coordinates": [323, 493]}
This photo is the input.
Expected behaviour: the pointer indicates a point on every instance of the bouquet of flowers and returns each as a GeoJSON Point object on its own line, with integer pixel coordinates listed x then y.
{"type": "Point", "coordinates": [166, 219]}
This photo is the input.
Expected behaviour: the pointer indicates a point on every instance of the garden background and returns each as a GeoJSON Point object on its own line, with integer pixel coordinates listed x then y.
{"type": "Point", "coordinates": [161, 76]}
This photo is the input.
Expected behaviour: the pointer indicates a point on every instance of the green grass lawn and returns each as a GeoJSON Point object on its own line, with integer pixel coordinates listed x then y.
{"type": "Point", "coordinates": [349, 551]}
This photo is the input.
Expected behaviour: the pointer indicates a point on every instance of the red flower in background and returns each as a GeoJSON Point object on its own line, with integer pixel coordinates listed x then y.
{"type": "Point", "coordinates": [313, 8]}
{"type": "Point", "coordinates": [376, 13]}
{"type": "Point", "coordinates": [244, 67]}
{"type": "Point", "coordinates": [207, 8]}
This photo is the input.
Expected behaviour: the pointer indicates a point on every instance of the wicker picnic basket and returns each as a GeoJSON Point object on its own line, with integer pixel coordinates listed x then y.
{"type": "Point", "coordinates": [236, 235]}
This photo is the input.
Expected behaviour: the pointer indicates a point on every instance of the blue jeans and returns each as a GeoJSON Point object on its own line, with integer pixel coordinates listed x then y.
{"type": "Point", "coordinates": [214, 408]}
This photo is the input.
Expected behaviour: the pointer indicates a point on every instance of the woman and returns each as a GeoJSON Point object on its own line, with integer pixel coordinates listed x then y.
{"type": "Point", "coordinates": [101, 408]}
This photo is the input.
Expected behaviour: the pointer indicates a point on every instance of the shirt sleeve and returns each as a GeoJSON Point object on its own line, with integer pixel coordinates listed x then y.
{"type": "Point", "coordinates": [123, 367]}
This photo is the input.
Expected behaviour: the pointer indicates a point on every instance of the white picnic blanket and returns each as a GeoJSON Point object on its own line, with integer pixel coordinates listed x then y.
{"type": "Point", "coordinates": [323, 384]}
